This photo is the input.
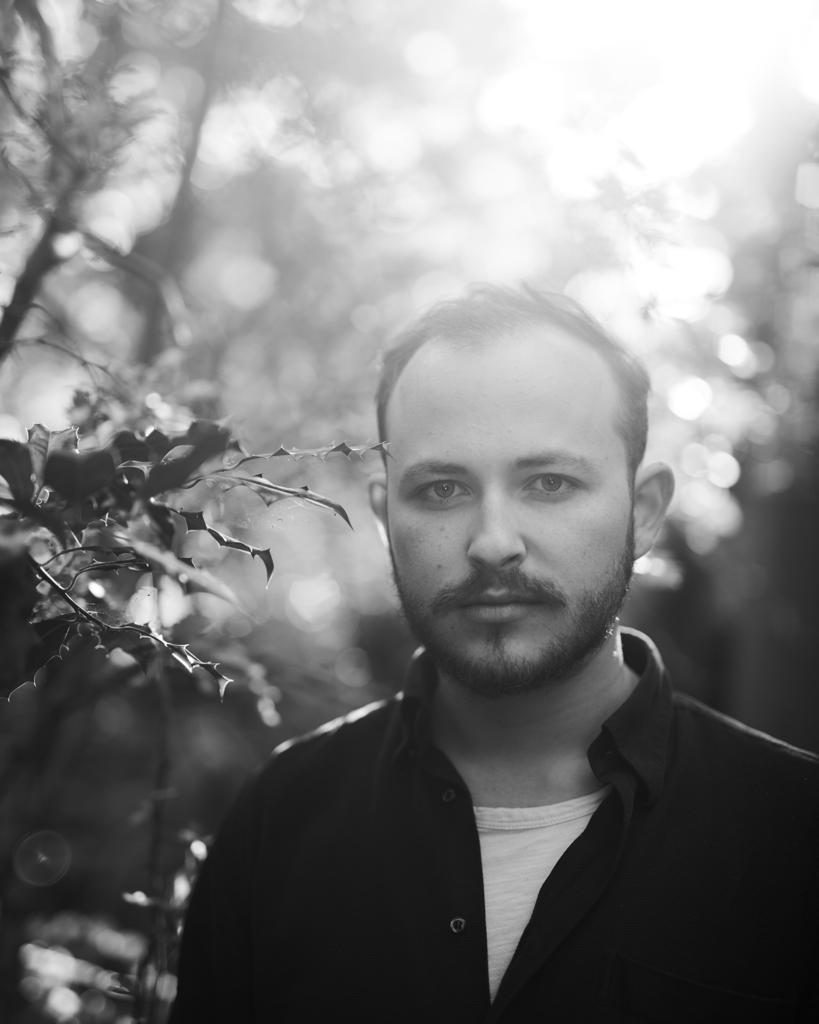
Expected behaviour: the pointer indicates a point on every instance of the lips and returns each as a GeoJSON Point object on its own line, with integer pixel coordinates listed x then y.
{"type": "Point", "coordinates": [496, 609]}
{"type": "Point", "coordinates": [499, 599]}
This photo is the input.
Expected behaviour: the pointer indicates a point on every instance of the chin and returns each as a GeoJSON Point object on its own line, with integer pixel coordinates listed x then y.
{"type": "Point", "coordinates": [506, 669]}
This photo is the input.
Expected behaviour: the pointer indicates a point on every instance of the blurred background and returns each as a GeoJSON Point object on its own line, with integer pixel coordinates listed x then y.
{"type": "Point", "coordinates": [225, 209]}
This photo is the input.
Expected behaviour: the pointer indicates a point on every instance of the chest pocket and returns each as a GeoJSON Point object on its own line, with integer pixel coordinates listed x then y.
{"type": "Point", "coordinates": [643, 995]}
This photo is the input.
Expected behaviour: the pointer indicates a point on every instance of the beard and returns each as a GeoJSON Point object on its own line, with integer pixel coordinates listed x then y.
{"type": "Point", "coordinates": [495, 670]}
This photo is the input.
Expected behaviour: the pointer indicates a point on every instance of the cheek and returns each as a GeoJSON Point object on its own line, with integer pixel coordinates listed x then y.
{"type": "Point", "coordinates": [602, 544]}
{"type": "Point", "coordinates": [583, 540]}
{"type": "Point", "coordinates": [421, 547]}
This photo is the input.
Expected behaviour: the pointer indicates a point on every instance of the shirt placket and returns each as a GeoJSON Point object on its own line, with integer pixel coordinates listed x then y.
{"type": "Point", "coordinates": [571, 891]}
{"type": "Point", "coordinates": [458, 882]}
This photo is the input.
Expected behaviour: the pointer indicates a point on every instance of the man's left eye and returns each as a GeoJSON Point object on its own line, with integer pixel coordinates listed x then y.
{"type": "Point", "coordinates": [550, 483]}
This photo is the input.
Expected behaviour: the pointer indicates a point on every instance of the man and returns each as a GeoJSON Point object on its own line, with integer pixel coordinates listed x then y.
{"type": "Point", "coordinates": [535, 829]}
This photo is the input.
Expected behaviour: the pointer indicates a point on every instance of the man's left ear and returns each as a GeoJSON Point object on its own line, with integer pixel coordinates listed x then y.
{"type": "Point", "coordinates": [653, 490]}
{"type": "Point", "coordinates": [378, 503]}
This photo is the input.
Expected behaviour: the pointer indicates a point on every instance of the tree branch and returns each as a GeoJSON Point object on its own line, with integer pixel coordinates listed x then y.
{"type": "Point", "coordinates": [175, 232]}
{"type": "Point", "coordinates": [41, 260]}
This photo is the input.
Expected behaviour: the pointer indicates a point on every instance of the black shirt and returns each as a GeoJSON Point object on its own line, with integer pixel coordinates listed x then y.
{"type": "Point", "coordinates": [346, 882]}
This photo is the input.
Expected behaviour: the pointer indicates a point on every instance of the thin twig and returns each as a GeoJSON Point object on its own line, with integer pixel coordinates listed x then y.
{"type": "Point", "coordinates": [45, 575]}
{"type": "Point", "coordinates": [81, 547]}
{"type": "Point", "coordinates": [87, 364]}
{"type": "Point", "coordinates": [158, 882]}
{"type": "Point", "coordinates": [107, 565]}
{"type": "Point", "coordinates": [147, 270]}
{"type": "Point", "coordinates": [175, 239]}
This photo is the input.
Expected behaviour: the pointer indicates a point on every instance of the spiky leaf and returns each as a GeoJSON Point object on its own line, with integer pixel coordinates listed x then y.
{"type": "Point", "coordinates": [270, 492]}
{"type": "Point", "coordinates": [196, 521]}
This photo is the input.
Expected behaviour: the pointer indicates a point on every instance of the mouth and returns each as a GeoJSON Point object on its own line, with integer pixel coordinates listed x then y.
{"type": "Point", "coordinates": [499, 599]}
{"type": "Point", "coordinates": [499, 607]}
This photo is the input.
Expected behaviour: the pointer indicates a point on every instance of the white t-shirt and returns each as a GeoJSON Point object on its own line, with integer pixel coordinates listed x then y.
{"type": "Point", "coordinates": [519, 848]}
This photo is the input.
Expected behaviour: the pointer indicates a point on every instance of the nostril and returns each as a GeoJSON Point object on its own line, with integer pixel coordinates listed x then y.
{"type": "Point", "coordinates": [497, 550]}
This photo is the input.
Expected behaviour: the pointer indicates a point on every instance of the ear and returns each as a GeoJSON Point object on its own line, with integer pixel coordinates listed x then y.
{"type": "Point", "coordinates": [378, 503]}
{"type": "Point", "coordinates": [653, 490]}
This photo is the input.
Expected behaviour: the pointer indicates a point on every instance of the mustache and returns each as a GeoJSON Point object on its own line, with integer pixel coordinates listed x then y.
{"type": "Point", "coordinates": [512, 581]}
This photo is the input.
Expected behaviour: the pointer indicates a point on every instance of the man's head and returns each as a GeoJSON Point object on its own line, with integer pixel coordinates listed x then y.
{"type": "Point", "coordinates": [488, 312]}
{"type": "Point", "coordinates": [513, 501]}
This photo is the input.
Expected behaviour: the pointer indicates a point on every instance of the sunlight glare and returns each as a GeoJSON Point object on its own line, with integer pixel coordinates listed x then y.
{"type": "Point", "coordinates": [682, 280]}
{"type": "Point", "coordinates": [679, 124]}
{"type": "Point", "coordinates": [698, 64]}
{"type": "Point", "coordinates": [431, 54]}
{"type": "Point", "coordinates": [805, 58]}
{"type": "Point", "coordinates": [530, 97]}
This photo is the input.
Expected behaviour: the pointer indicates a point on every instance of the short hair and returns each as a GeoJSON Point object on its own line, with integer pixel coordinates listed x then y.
{"type": "Point", "coordinates": [493, 310]}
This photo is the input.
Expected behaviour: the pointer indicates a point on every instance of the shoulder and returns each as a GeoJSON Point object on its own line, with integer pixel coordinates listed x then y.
{"type": "Point", "coordinates": [347, 745]}
{"type": "Point", "coordinates": [311, 778]}
{"type": "Point", "coordinates": [316, 774]}
{"type": "Point", "coordinates": [725, 750]}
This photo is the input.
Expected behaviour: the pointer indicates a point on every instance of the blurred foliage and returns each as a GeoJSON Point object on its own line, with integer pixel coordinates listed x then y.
{"type": "Point", "coordinates": [212, 213]}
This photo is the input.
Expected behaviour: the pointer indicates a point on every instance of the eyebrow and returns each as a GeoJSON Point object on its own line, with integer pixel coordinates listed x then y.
{"type": "Point", "coordinates": [432, 468]}
{"type": "Point", "coordinates": [540, 459]}
{"type": "Point", "coordinates": [564, 459]}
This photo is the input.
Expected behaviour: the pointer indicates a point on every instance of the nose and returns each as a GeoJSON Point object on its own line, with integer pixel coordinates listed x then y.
{"type": "Point", "coordinates": [496, 540]}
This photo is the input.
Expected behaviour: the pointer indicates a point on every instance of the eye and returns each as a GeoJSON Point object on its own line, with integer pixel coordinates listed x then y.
{"type": "Point", "coordinates": [441, 491]}
{"type": "Point", "coordinates": [551, 483]}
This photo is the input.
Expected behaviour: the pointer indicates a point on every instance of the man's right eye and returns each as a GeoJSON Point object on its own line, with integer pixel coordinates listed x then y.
{"type": "Point", "coordinates": [441, 491]}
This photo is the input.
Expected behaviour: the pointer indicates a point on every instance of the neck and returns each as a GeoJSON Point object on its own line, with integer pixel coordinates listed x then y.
{"type": "Point", "coordinates": [530, 748]}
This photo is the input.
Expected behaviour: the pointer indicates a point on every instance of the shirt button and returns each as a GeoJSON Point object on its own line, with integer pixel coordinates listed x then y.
{"type": "Point", "coordinates": [457, 925]}
{"type": "Point", "coordinates": [448, 796]}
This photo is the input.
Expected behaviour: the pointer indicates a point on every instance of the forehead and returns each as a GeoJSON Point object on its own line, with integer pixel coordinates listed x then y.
{"type": "Point", "coordinates": [536, 388]}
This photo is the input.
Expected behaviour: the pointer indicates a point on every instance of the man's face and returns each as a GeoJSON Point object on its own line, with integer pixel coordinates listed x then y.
{"type": "Point", "coordinates": [508, 507]}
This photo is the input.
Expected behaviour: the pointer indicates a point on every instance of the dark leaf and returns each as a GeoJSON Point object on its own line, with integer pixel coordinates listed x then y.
{"type": "Point", "coordinates": [200, 445]}
{"type": "Point", "coordinates": [127, 447]}
{"type": "Point", "coordinates": [163, 518]}
{"type": "Point", "coordinates": [76, 475]}
{"type": "Point", "coordinates": [16, 469]}
{"type": "Point", "coordinates": [46, 517]}
{"type": "Point", "coordinates": [42, 442]}
{"type": "Point", "coordinates": [38, 438]}
{"type": "Point", "coordinates": [158, 443]}
{"type": "Point", "coordinates": [18, 595]}
{"type": "Point", "coordinates": [204, 430]}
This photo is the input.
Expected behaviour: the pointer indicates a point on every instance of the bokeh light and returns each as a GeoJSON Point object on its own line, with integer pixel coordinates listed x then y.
{"type": "Point", "coordinates": [42, 858]}
{"type": "Point", "coordinates": [690, 397]}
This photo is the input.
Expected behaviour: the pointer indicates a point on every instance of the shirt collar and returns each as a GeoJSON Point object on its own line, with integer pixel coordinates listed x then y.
{"type": "Point", "coordinates": [637, 733]}
{"type": "Point", "coordinates": [640, 729]}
